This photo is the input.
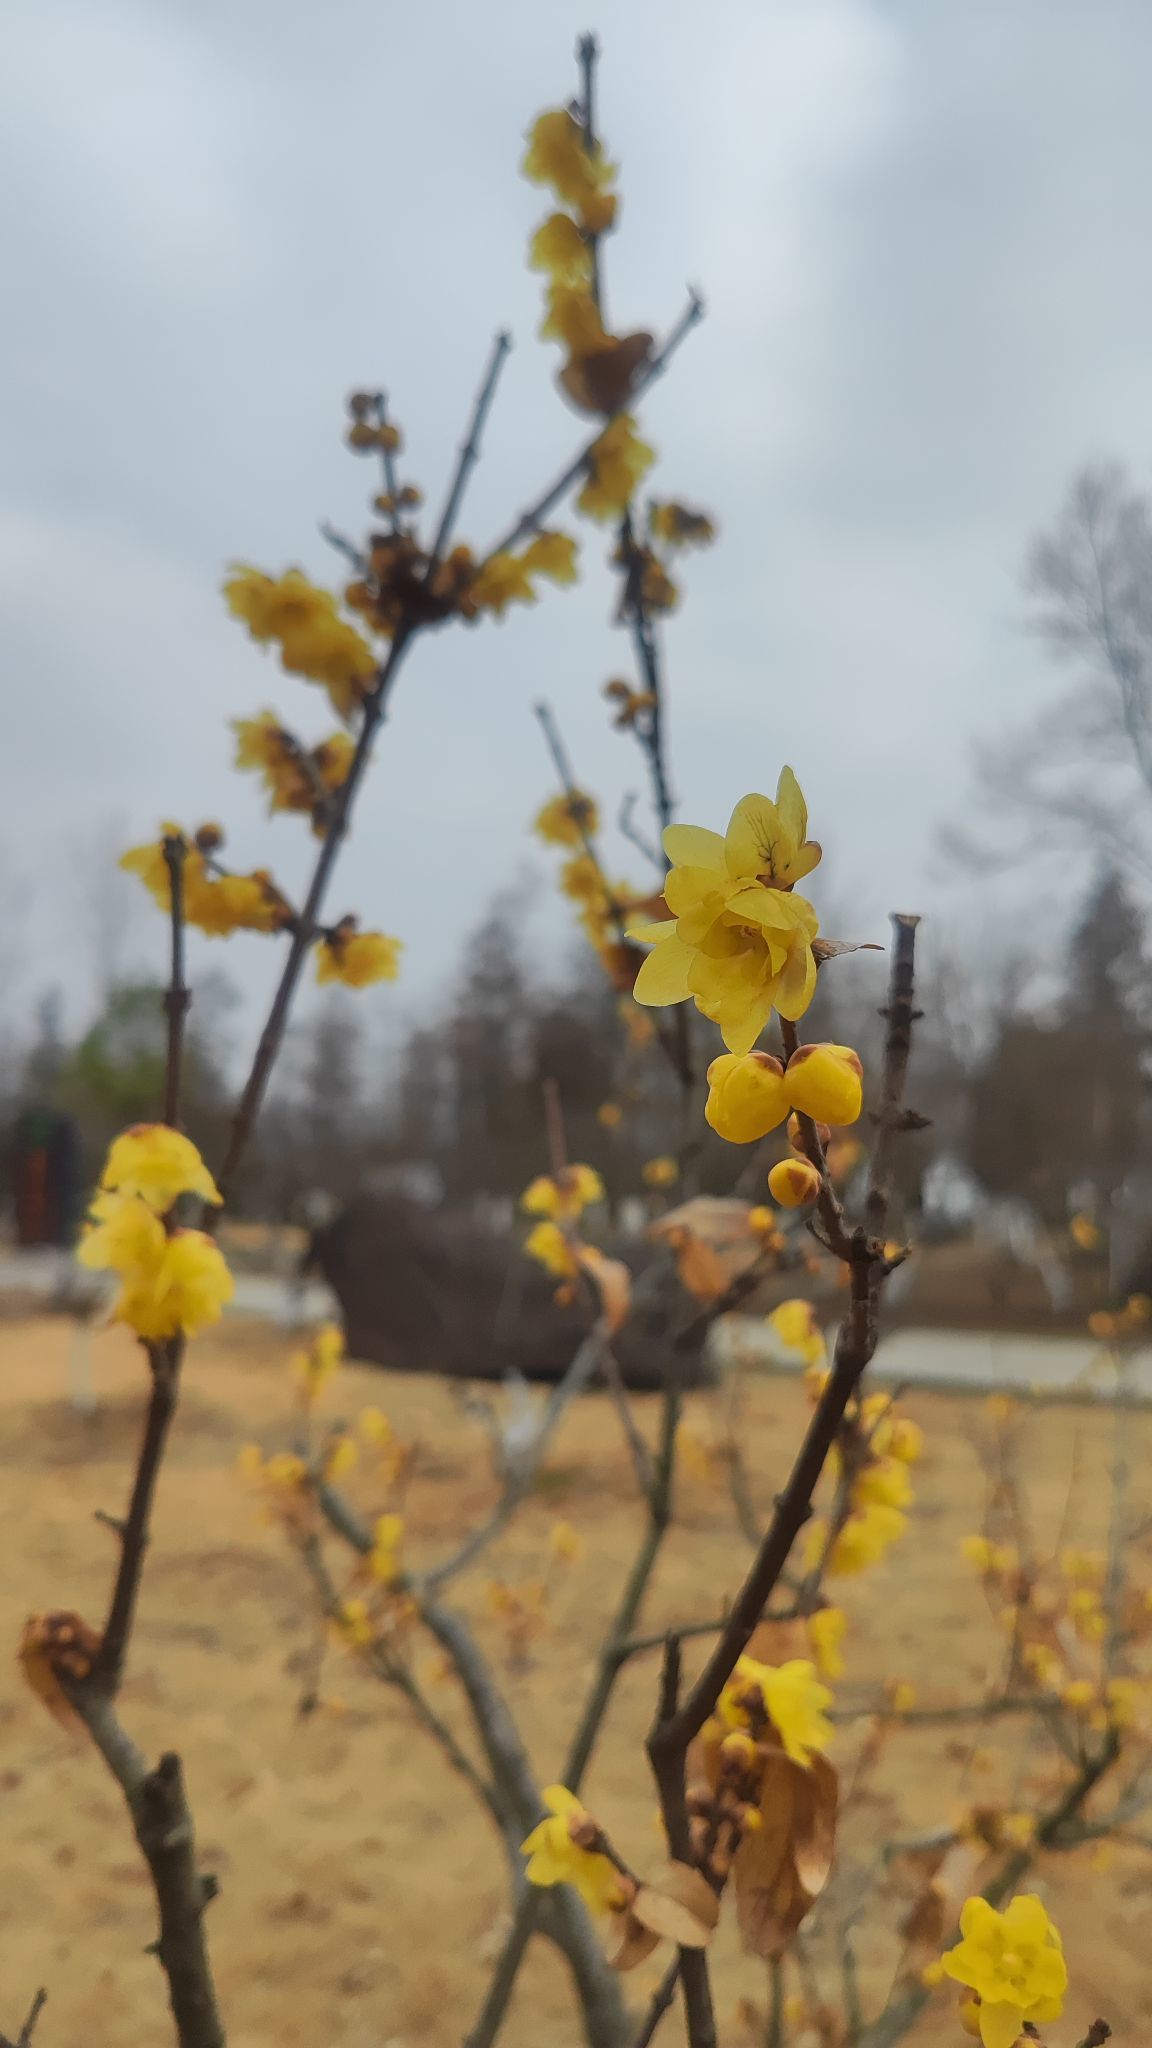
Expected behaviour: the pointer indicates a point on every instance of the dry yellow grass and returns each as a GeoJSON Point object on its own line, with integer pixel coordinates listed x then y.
{"type": "Point", "coordinates": [361, 1893]}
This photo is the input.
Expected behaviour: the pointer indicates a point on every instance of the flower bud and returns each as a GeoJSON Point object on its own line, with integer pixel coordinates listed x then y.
{"type": "Point", "coordinates": [793, 1183]}
{"type": "Point", "coordinates": [747, 1096]}
{"type": "Point", "coordinates": [826, 1082]}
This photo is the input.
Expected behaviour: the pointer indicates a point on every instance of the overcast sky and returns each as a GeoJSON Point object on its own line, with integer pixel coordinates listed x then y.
{"type": "Point", "coordinates": [922, 231]}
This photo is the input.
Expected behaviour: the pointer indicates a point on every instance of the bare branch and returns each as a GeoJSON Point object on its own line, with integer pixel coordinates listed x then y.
{"type": "Point", "coordinates": [469, 452]}
{"type": "Point", "coordinates": [178, 995]}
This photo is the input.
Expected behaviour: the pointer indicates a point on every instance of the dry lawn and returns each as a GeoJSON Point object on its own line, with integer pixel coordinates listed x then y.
{"type": "Point", "coordinates": [361, 1893]}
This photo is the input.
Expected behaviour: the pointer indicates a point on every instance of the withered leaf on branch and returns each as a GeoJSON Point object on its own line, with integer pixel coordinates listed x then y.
{"type": "Point", "coordinates": [54, 1648]}
{"type": "Point", "coordinates": [628, 1942]}
{"type": "Point", "coordinates": [678, 1902]}
{"type": "Point", "coordinates": [782, 1866]}
{"type": "Point", "coordinates": [947, 1875]}
{"type": "Point", "coordinates": [612, 1281]}
{"type": "Point", "coordinates": [831, 949]}
{"type": "Point", "coordinates": [710, 1239]}
{"type": "Point", "coordinates": [601, 383]}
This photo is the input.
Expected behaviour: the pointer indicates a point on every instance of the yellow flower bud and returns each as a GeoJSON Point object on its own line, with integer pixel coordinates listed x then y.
{"type": "Point", "coordinates": [796, 1135]}
{"type": "Point", "coordinates": [793, 1183]}
{"type": "Point", "coordinates": [747, 1097]}
{"type": "Point", "coordinates": [826, 1082]}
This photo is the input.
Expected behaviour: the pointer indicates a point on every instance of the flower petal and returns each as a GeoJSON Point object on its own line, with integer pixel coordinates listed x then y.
{"type": "Point", "coordinates": [1000, 2024]}
{"type": "Point", "coordinates": [694, 846]}
{"type": "Point", "coordinates": [664, 976]}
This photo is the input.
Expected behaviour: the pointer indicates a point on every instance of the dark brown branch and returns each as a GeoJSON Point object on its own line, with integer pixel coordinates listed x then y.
{"type": "Point", "coordinates": [164, 1362]}
{"type": "Point", "coordinates": [24, 2038]}
{"type": "Point", "coordinates": [529, 521]}
{"type": "Point", "coordinates": [855, 1345]}
{"type": "Point", "coordinates": [659, 2003]}
{"type": "Point", "coordinates": [178, 995]}
{"type": "Point", "coordinates": [272, 1036]}
{"type": "Point", "coordinates": [469, 452]}
{"type": "Point", "coordinates": [900, 1015]}
{"type": "Point", "coordinates": [587, 52]}
{"type": "Point", "coordinates": [1097, 2034]}
{"type": "Point", "coordinates": [669, 1769]}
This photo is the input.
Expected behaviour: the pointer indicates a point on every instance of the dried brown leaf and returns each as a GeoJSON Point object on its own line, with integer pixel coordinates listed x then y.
{"type": "Point", "coordinates": [679, 1903]}
{"type": "Point", "coordinates": [601, 383]}
{"type": "Point", "coordinates": [628, 1942]}
{"type": "Point", "coordinates": [831, 949]}
{"type": "Point", "coordinates": [613, 1283]}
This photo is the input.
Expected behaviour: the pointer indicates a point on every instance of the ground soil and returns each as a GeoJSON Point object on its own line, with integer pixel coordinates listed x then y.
{"type": "Point", "coordinates": [361, 1893]}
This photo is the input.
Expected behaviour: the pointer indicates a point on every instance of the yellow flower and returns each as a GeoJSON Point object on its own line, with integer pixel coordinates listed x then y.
{"type": "Point", "coordinates": [747, 1096]}
{"type": "Point", "coordinates": [618, 465]}
{"type": "Point", "coordinates": [866, 1535]}
{"type": "Point", "coordinates": [353, 1623]}
{"type": "Point", "coordinates": [556, 1854]}
{"type": "Point", "coordinates": [897, 1436]}
{"type": "Point", "coordinates": [566, 1197]}
{"type": "Point", "coordinates": [794, 1323]}
{"type": "Point", "coordinates": [315, 641]}
{"type": "Point", "coordinates": [988, 1557]}
{"type": "Point", "coordinates": [158, 1164]}
{"type": "Point", "coordinates": [548, 1244]}
{"type": "Point", "coordinates": [883, 1482]}
{"type": "Point", "coordinates": [556, 156]}
{"type": "Point", "coordinates": [552, 554]}
{"type": "Point", "coordinates": [1089, 1566]}
{"type": "Point", "coordinates": [324, 1357]}
{"type": "Point", "coordinates": [374, 1426]}
{"type": "Point", "coordinates": [678, 526]}
{"type": "Point", "coordinates": [340, 1455]}
{"type": "Point", "coordinates": [738, 941]}
{"type": "Point", "coordinates": [565, 1542]}
{"type": "Point", "coordinates": [610, 1115]}
{"type": "Point", "coordinates": [388, 1541]}
{"type": "Point", "coordinates": [901, 1695]}
{"type": "Point", "coordinates": [1013, 1961]}
{"type": "Point", "coordinates": [660, 1173]}
{"type": "Point", "coordinates": [272, 606]}
{"type": "Point", "coordinates": [357, 958]}
{"type": "Point", "coordinates": [216, 905]}
{"type": "Point", "coordinates": [1084, 1233]}
{"type": "Point", "coordinates": [559, 249]}
{"type": "Point", "coordinates": [169, 1283]}
{"type": "Point", "coordinates": [295, 780]}
{"type": "Point", "coordinates": [792, 1697]}
{"type": "Point", "coordinates": [572, 317]}
{"type": "Point", "coordinates": [826, 1082]}
{"type": "Point", "coordinates": [1079, 1694]}
{"type": "Point", "coordinates": [500, 581]}
{"type": "Point", "coordinates": [826, 1633]}
{"type": "Point", "coordinates": [567, 820]}
{"type": "Point", "coordinates": [793, 1183]}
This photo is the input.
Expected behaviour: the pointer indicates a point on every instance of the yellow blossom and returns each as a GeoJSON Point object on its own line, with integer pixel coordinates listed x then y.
{"type": "Point", "coordinates": [678, 526]}
{"type": "Point", "coordinates": [387, 1544]}
{"type": "Point", "coordinates": [340, 1455]}
{"type": "Point", "coordinates": [747, 1096]}
{"type": "Point", "coordinates": [826, 1633]}
{"type": "Point", "coordinates": [1088, 1566]}
{"type": "Point", "coordinates": [554, 555]}
{"type": "Point", "coordinates": [357, 958]}
{"type": "Point", "coordinates": [179, 1291]}
{"type": "Point", "coordinates": [897, 1436]}
{"type": "Point", "coordinates": [324, 1357]}
{"type": "Point", "coordinates": [1079, 1694]}
{"type": "Point", "coordinates": [567, 820]}
{"type": "Point", "coordinates": [314, 640]}
{"type": "Point", "coordinates": [795, 1325]}
{"type": "Point", "coordinates": [1013, 1961]}
{"type": "Point", "coordinates": [868, 1532]}
{"type": "Point", "coordinates": [660, 1173]}
{"type": "Point", "coordinates": [617, 466]}
{"type": "Point", "coordinates": [564, 1198]}
{"type": "Point", "coordinates": [556, 155]}
{"type": "Point", "coordinates": [353, 1623]}
{"type": "Point", "coordinates": [502, 580]}
{"type": "Point", "coordinates": [158, 1164]}
{"type": "Point", "coordinates": [794, 1183]}
{"type": "Point", "coordinates": [557, 1854]}
{"type": "Point", "coordinates": [286, 1471]}
{"type": "Point", "coordinates": [738, 941]}
{"type": "Point", "coordinates": [610, 1115]}
{"type": "Point", "coordinates": [1084, 1233]}
{"type": "Point", "coordinates": [826, 1082]}
{"type": "Point", "coordinates": [901, 1696]}
{"type": "Point", "coordinates": [791, 1696]}
{"type": "Point", "coordinates": [548, 1244]}
{"type": "Point", "coordinates": [559, 249]}
{"type": "Point", "coordinates": [992, 1559]}
{"type": "Point", "coordinates": [883, 1482]}
{"type": "Point", "coordinates": [572, 317]}
{"type": "Point", "coordinates": [374, 1426]}
{"type": "Point", "coordinates": [565, 1542]}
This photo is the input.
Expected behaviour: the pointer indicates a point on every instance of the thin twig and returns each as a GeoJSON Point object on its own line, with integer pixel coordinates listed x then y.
{"type": "Point", "coordinates": [164, 1361]}
{"type": "Point", "coordinates": [24, 2038]}
{"type": "Point", "coordinates": [469, 452]}
{"type": "Point", "coordinates": [587, 52]}
{"type": "Point", "coordinates": [272, 1036]}
{"type": "Point", "coordinates": [658, 2004]}
{"type": "Point", "coordinates": [178, 995]}
{"type": "Point", "coordinates": [626, 824]}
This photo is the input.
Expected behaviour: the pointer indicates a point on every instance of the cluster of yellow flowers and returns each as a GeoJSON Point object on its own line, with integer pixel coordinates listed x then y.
{"type": "Point", "coordinates": [296, 778]}
{"type": "Point", "coordinates": [172, 1281]}
{"type": "Point", "coordinates": [506, 578]}
{"type": "Point", "coordinates": [572, 821]}
{"type": "Point", "coordinates": [319, 1363]}
{"type": "Point", "coordinates": [303, 620]}
{"type": "Point", "coordinates": [357, 958]}
{"type": "Point", "coordinates": [1122, 1325]}
{"type": "Point", "coordinates": [739, 940]}
{"type": "Point", "coordinates": [878, 1447]}
{"type": "Point", "coordinates": [1013, 1963]}
{"type": "Point", "coordinates": [215, 902]}
{"type": "Point", "coordinates": [559, 1201]}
